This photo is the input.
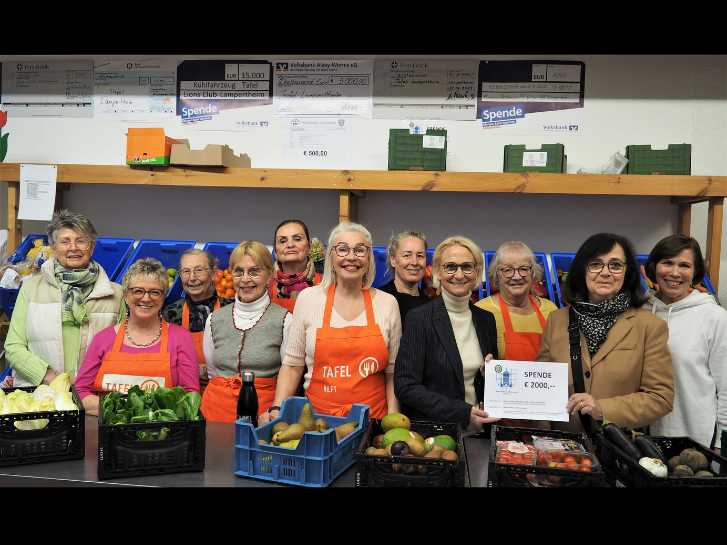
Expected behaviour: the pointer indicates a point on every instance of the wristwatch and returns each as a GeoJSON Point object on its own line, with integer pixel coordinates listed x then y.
{"type": "Point", "coordinates": [273, 408]}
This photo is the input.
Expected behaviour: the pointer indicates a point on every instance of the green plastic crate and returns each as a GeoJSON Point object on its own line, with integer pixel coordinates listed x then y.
{"type": "Point", "coordinates": [675, 159]}
{"type": "Point", "coordinates": [407, 151]}
{"type": "Point", "coordinates": [513, 161]}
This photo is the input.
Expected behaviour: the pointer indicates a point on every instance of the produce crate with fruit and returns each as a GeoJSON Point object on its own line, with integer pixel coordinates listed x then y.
{"type": "Point", "coordinates": [524, 457]}
{"type": "Point", "coordinates": [300, 447]}
{"type": "Point", "coordinates": [542, 288]}
{"type": "Point", "coordinates": [637, 460]}
{"type": "Point", "coordinates": [396, 451]}
{"type": "Point", "coordinates": [150, 432]}
{"type": "Point", "coordinates": [166, 251]}
{"type": "Point", "coordinates": [41, 424]}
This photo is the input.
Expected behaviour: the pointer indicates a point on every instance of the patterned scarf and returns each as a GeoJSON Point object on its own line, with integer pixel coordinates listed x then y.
{"type": "Point", "coordinates": [76, 285]}
{"type": "Point", "coordinates": [595, 321]}
{"type": "Point", "coordinates": [288, 283]}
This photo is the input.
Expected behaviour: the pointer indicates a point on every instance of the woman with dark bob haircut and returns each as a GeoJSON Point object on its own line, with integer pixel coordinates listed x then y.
{"type": "Point", "coordinates": [697, 341]}
{"type": "Point", "coordinates": [620, 367]}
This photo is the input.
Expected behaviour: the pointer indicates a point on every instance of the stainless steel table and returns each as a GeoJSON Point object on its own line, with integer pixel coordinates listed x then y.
{"type": "Point", "coordinates": [218, 466]}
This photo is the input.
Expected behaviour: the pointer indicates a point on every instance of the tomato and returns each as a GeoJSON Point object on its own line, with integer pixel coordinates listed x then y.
{"type": "Point", "coordinates": [569, 460]}
{"type": "Point", "coordinates": [556, 456]}
{"type": "Point", "coordinates": [585, 469]}
{"type": "Point", "coordinates": [586, 462]}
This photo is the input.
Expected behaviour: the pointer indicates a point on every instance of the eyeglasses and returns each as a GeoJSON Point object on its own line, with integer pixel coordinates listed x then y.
{"type": "Point", "coordinates": [360, 250]}
{"type": "Point", "coordinates": [197, 271]}
{"type": "Point", "coordinates": [451, 268]}
{"type": "Point", "coordinates": [509, 272]}
{"type": "Point", "coordinates": [139, 293]}
{"type": "Point", "coordinates": [80, 243]}
{"type": "Point", "coordinates": [615, 266]}
{"type": "Point", "coordinates": [252, 272]}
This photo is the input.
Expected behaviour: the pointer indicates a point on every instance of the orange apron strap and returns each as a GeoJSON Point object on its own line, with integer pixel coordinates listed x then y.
{"type": "Point", "coordinates": [165, 338]}
{"type": "Point", "coordinates": [329, 307]}
{"type": "Point", "coordinates": [369, 307]}
{"type": "Point", "coordinates": [119, 337]}
{"type": "Point", "coordinates": [541, 318]}
{"type": "Point", "coordinates": [185, 316]}
{"type": "Point", "coordinates": [505, 314]}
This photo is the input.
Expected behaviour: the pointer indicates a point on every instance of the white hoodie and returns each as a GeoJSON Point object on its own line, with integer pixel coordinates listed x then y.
{"type": "Point", "coordinates": [698, 345]}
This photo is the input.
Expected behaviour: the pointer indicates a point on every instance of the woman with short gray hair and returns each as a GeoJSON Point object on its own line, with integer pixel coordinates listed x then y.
{"type": "Point", "coordinates": [59, 310]}
{"type": "Point", "coordinates": [143, 350]}
{"type": "Point", "coordinates": [407, 260]}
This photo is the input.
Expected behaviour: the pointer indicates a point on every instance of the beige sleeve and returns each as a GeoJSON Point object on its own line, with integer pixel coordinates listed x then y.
{"type": "Point", "coordinates": [296, 338]}
{"type": "Point", "coordinates": [391, 327]}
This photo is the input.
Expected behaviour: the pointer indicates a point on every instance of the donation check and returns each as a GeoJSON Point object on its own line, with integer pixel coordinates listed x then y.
{"type": "Point", "coordinates": [526, 389]}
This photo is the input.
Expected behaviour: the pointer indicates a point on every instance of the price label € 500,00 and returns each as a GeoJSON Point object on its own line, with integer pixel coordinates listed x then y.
{"type": "Point", "coordinates": [315, 153]}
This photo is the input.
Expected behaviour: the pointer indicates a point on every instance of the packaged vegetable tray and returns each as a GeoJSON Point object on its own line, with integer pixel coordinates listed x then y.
{"type": "Point", "coordinates": [624, 470]}
{"type": "Point", "coordinates": [564, 459]}
{"type": "Point", "coordinates": [415, 471]}
{"type": "Point", "coordinates": [63, 438]}
{"type": "Point", "coordinates": [317, 460]}
{"type": "Point", "coordinates": [137, 449]}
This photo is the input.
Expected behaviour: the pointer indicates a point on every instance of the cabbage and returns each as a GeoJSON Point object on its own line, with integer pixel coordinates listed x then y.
{"type": "Point", "coordinates": [62, 383]}
{"type": "Point", "coordinates": [18, 401]}
{"type": "Point", "coordinates": [64, 402]}
{"type": "Point", "coordinates": [2, 400]}
{"type": "Point", "coordinates": [44, 405]}
{"type": "Point", "coordinates": [43, 392]}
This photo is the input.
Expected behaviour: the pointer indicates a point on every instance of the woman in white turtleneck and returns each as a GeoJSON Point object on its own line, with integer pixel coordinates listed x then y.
{"type": "Point", "coordinates": [249, 335]}
{"type": "Point", "coordinates": [446, 342]}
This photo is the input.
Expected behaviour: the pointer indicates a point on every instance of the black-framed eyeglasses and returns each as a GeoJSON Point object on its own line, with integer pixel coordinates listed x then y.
{"type": "Point", "coordinates": [451, 268]}
{"type": "Point", "coordinates": [139, 293]}
{"type": "Point", "coordinates": [509, 272]}
{"type": "Point", "coordinates": [342, 250]}
{"type": "Point", "coordinates": [614, 266]}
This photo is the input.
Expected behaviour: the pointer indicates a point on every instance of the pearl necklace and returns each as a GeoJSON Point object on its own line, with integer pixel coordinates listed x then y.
{"type": "Point", "coordinates": [141, 345]}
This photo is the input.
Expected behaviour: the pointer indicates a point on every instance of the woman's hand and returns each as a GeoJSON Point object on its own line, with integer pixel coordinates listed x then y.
{"type": "Point", "coordinates": [50, 374]}
{"type": "Point", "coordinates": [267, 416]}
{"type": "Point", "coordinates": [585, 404]}
{"type": "Point", "coordinates": [90, 404]}
{"type": "Point", "coordinates": [480, 416]}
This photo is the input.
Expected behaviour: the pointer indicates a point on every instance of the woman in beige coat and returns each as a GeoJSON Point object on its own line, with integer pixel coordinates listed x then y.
{"type": "Point", "coordinates": [627, 375]}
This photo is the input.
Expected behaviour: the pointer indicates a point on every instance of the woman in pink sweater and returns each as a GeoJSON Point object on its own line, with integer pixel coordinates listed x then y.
{"type": "Point", "coordinates": [143, 350]}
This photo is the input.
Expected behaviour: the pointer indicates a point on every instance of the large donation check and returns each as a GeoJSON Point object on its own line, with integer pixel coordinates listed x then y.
{"type": "Point", "coordinates": [529, 390]}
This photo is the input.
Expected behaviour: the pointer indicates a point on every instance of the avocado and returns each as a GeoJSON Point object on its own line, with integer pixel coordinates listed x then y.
{"type": "Point", "coordinates": [445, 440]}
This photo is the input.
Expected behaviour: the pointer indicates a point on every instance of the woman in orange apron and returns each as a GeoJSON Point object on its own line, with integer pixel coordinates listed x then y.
{"type": "Point", "coordinates": [345, 333]}
{"type": "Point", "coordinates": [294, 268]}
{"type": "Point", "coordinates": [519, 315]}
{"type": "Point", "coordinates": [196, 271]}
{"type": "Point", "coordinates": [248, 335]}
{"type": "Point", "coordinates": [144, 350]}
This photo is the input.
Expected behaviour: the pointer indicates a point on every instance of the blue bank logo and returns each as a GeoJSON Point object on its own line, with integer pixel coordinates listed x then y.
{"type": "Point", "coordinates": [504, 379]}
{"type": "Point", "coordinates": [502, 116]}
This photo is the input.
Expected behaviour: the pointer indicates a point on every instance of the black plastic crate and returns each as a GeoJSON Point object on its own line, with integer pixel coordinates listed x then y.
{"type": "Point", "coordinates": [676, 159]}
{"type": "Point", "coordinates": [378, 471]}
{"type": "Point", "coordinates": [621, 469]}
{"type": "Point", "coordinates": [519, 476]}
{"type": "Point", "coordinates": [122, 454]}
{"type": "Point", "coordinates": [64, 438]}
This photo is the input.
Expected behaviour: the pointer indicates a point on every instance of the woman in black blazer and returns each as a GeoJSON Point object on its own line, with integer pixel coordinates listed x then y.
{"type": "Point", "coordinates": [446, 341]}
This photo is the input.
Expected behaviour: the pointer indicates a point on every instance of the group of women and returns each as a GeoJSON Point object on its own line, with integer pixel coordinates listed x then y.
{"type": "Point", "coordinates": [635, 359]}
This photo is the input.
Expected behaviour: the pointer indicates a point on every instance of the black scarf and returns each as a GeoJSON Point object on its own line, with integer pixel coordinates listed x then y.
{"type": "Point", "coordinates": [595, 321]}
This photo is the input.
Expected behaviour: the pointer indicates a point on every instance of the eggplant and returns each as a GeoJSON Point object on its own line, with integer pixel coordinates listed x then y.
{"type": "Point", "coordinates": [614, 434]}
{"type": "Point", "coordinates": [648, 448]}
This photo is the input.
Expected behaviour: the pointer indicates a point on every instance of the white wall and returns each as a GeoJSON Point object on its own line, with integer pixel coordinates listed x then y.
{"type": "Point", "coordinates": [629, 100]}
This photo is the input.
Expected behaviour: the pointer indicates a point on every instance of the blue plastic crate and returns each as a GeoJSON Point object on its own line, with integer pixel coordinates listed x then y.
{"type": "Point", "coordinates": [317, 461]}
{"type": "Point", "coordinates": [560, 261]}
{"type": "Point", "coordinates": [540, 257]}
{"type": "Point", "coordinates": [222, 251]}
{"type": "Point", "coordinates": [111, 253]}
{"type": "Point", "coordinates": [166, 251]}
{"type": "Point", "coordinates": [22, 250]}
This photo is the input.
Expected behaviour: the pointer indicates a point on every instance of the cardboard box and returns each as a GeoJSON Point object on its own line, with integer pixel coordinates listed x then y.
{"type": "Point", "coordinates": [148, 146]}
{"type": "Point", "coordinates": [213, 155]}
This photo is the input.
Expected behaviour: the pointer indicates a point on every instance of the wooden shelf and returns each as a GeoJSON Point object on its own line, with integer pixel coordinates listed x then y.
{"type": "Point", "coordinates": [697, 187]}
{"type": "Point", "coordinates": [684, 190]}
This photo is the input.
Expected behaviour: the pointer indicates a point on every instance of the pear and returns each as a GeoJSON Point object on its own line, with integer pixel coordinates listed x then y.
{"type": "Point", "coordinates": [294, 431]}
{"type": "Point", "coordinates": [321, 424]}
{"type": "Point", "coordinates": [345, 429]}
{"type": "Point", "coordinates": [280, 426]}
{"type": "Point", "coordinates": [306, 418]}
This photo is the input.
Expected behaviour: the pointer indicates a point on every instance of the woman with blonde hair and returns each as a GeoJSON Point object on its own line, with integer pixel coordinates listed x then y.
{"type": "Point", "coordinates": [446, 342]}
{"type": "Point", "coordinates": [248, 335]}
{"type": "Point", "coordinates": [344, 333]}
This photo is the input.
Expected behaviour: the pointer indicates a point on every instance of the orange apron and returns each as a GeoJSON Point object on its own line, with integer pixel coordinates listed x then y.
{"type": "Point", "coordinates": [349, 364]}
{"type": "Point", "coordinates": [521, 346]}
{"type": "Point", "coordinates": [287, 303]}
{"type": "Point", "coordinates": [219, 401]}
{"type": "Point", "coordinates": [197, 339]}
{"type": "Point", "coordinates": [121, 370]}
